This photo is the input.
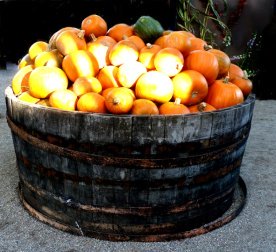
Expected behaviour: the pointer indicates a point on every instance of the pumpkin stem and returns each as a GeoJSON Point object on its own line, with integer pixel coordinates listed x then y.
{"type": "Point", "coordinates": [81, 34]}
{"type": "Point", "coordinates": [201, 106]}
{"type": "Point", "coordinates": [93, 37]}
{"type": "Point", "coordinates": [207, 47]}
{"type": "Point", "coordinates": [226, 79]}
{"type": "Point", "coordinates": [177, 100]}
{"type": "Point", "coordinates": [116, 100]}
{"type": "Point", "coordinates": [149, 45]}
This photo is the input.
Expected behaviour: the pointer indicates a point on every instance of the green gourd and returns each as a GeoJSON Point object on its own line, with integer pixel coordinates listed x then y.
{"type": "Point", "coordinates": [148, 28]}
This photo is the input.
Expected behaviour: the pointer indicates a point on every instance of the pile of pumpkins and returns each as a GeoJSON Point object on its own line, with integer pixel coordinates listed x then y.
{"type": "Point", "coordinates": [138, 69]}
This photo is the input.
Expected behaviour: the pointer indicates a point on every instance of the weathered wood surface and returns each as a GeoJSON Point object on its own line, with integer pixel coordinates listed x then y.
{"type": "Point", "coordinates": [128, 175]}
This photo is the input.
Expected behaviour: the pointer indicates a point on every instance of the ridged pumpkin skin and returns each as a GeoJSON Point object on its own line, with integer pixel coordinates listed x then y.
{"type": "Point", "coordinates": [204, 62]}
{"type": "Point", "coordinates": [147, 53]}
{"type": "Point", "coordinates": [69, 41]}
{"type": "Point", "coordinates": [223, 94]}
{"type": "Point", "coordinates": [80, 63]}
{"type": "Point", "coordinates": [20, 81]}
{"type": "Point", "coordinates": [223, 61]}
{"type": "Point", "coordinates": [190, 87]}
{"type": "Point", "coordinates": [148, 28]}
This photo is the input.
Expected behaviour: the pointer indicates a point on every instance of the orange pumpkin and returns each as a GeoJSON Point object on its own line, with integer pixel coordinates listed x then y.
{"type": "Point", "coordinates": [91, 102]}
{"type": "Point", "coordinates": [63, 99]}
{"type": "Point", "coordinates": [223, 61]}
{"type": "Point", "coordinates": [52, 40]}
{"type": "Point", "coordinates": [108, 77]}
{"type": "Point", "coordinates": [120, 30]}
{"type": "Point", "coordinates": [136, 40]}
{"type": "Point", "coordinates": [86, 84]}
{"type": "Point", "coordinates": [36, 48]}
{"type": "Point", "coordinates": [20, 80]}
{"type": "Point", "coordinates": [128, 73]}
{"type": "Point", "coordinates": [155, 86]}
{"type": "Point", "coordinates": [69, 41]}
{"type": "Point", "coordinates": [123, 51]}
{"type": "Point", "coordinates": [118, 101]}
{"type": "Point", "coordinates": [244, 83]}
{"type": "Point", "coordinates": [146, 55]}
{"type": "Point", "coordinates": [173, 108]}
{"type": "Point", "coordinates": [161, 41]}
{"type": "Point", "coordinates": [168, 60]}
{"type": "Point", "coordinates": [201, 107]}
{"type": "Point", "coordinates": [235, 71]}
{"type": "Point", "coordinates": [24, 61]}
{"type": "Point", "coordinates": [100, 49]}
{"type": "Point", "coordinates": [204, 62]}
{"type": "Point", "coordinates": [180, 41]}
{"type": "Point", "coordinates": [44, 80]}
{"type": "Point", "coordinates": [190, 87]}
{"type": "Point", "coordinates": [197, 44]}
{"type": "Point", "coordinates": [94, 24]}
{"type": "Point", "coordinates": [223, 94]}
{"type": "Point", "coordinates": [144, 107]}
{"type": "Point", "coordinates": [80, 63]}
{"type": "Point", "coordinates": [48, 58]}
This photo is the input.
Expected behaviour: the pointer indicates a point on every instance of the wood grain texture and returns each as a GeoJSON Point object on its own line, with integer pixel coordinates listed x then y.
{"type": "Point", "coordinates": [128, 175]}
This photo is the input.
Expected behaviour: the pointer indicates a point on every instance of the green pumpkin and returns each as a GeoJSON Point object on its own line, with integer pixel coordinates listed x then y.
{"type": "Point", "coordinates": [148, 29]}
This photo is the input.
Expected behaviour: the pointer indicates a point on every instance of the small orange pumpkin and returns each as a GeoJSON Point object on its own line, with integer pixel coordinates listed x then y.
{"type": "Point", "coordinates": [128, 73]}
{"type": "Point", "coordinates": [118, 101]}
{"type": "Point", "coordinates": [69, 41]}
{"type": "Point", "coordinates": [144, 107]}
{"type": "Point", "coordinates": [123, 51]}
{"type": "Point", "coordinates": [223, 94]}
{"type": "Point", "coordinates": [180, 41]}
{"type": "Point", "coordinates": [244, 83]}
{"type": "Point", "coordinates": [223, 61]}
{"type": "Point", "coordinates": [168, 60]}
{"type": "Point", "coordinates": [108, 77]}
{"type": "Point", "coordinates": [190, 87]}
{"type": "Point", "coordinates": [155, 86]}
{"type": "Point", "coordinates": [120, 30]}
{"type": "Point", "coordinates": [80, 63]}
{"type": "Point", "coordinates": [201, 107]}
{"type": "Point", "coordinates": [147, 53]}
{"type": "Point", "coordinates": [173, 108]}
{"type": "Point", "coordinates": [204, 62]}
{"type": "Point", "coordinates": [94, 24]}
{"type": "Point", "coordinates": [100, 48]}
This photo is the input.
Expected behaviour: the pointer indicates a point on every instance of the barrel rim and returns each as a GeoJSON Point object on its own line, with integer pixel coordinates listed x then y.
{"type": "Point", "coordinates": [10, 95]}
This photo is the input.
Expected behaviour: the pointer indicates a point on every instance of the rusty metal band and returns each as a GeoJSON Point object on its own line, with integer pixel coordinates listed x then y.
{"type": "Point", "coordinates": [135, 211]}
{"type": "Point", "coordinates": [238, 204]}
{"type": "Point", "coordinates": [152, 162]}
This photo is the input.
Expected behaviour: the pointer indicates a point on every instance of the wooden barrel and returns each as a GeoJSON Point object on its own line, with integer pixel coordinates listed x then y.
{"type": "Point", "coordinates": [143, 178]}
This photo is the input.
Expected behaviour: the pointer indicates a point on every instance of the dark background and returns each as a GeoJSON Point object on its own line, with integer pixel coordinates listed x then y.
{"type": "Point", "coordinates": [24, 21]}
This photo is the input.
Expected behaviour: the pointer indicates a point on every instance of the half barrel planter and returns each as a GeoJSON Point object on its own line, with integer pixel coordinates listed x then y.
{"type": "Point", "coordinates": [130, 178]}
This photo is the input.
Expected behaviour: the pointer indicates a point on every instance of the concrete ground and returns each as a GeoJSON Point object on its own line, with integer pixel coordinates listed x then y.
{"type": "Point", "coordinates": [253, 230]}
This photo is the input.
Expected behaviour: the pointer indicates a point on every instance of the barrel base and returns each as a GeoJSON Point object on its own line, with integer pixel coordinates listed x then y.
{"type": "Point", "coordinates": [234, 210]}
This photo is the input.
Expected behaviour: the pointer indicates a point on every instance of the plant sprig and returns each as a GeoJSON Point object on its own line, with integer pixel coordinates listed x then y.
{"type": "Point", "coordinates": [196, 20]}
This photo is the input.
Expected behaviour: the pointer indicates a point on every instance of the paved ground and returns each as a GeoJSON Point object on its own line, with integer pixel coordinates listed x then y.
{"type": "Point", "coordinates": [254, 230]}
